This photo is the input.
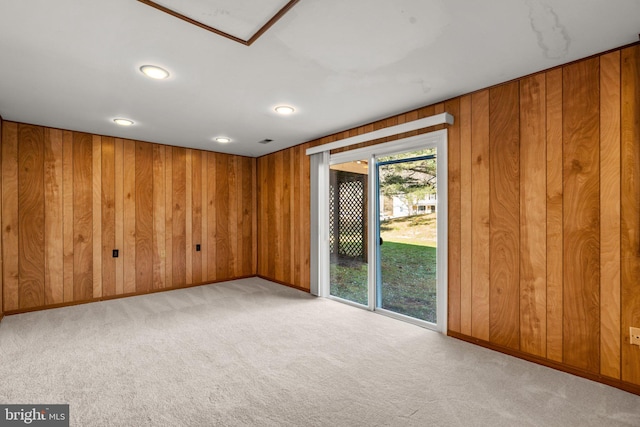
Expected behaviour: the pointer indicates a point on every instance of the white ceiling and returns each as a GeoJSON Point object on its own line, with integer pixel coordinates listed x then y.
{"type": "Point", "coordinates": [73, 64]}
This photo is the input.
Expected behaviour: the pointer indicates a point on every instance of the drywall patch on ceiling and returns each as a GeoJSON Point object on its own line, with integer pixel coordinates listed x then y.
{"type": "Point", "coordinates": [360, 40]}
{"type": "Point", "coordinates": [552, 36]}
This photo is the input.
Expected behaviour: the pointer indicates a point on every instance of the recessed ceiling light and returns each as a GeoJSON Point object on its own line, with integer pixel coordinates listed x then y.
{"type": "Point", "coordinates": [154, 72]}
{"type": "Point", "coordinates": [123, 122]}
{"type": "Point", "coordinates": [284, 109]}
{"type": "Point", "coordinates": [223, 139]}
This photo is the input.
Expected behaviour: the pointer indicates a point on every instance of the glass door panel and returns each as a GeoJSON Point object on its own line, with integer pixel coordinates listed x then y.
{"type": "Point", "coordinates": [407, 201]}
{"type": "Point", "coordinates": [348, 231]}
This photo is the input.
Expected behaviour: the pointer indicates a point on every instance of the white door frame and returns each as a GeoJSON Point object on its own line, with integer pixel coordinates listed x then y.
{"type": "Point", "coordinates": [437, 139]}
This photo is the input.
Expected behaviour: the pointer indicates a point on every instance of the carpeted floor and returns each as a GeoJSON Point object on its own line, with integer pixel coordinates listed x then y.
{"type": "Point", "coordinates": [250, 352]}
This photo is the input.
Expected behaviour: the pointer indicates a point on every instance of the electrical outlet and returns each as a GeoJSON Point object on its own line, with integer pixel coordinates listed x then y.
{"type": "Point", "coordinates": [198, 247]}
{"type": "Point", "coordinates": [635, 335]}
{"type": "Point", "coordinates": [115, 253]}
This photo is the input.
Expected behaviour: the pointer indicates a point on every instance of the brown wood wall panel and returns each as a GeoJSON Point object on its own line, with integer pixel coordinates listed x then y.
{"type": "Point", "coordinates": [1, 251]}
{"type": "Point", "coordinates": [129, 217]}
{"type": "Point", "coordinates": [188, 217]}
{"type": "Point", "coordinates": [31, 215]}
{"type": "Point", "coordinates": [108, 207]}
{"type": "Point", "coordinates": [276, 229]}
{"type": "Point", "coordinates": [82, 216]}
{"type": "Point", "coordinates": [69, 198]}
{"type": "Point", "coordinates": [119, 213]}
{"type": "Point", "coordinates": [67, 201]}
{"type": "Point", "coordinates": [466, 279]}
{"type": "Point", "coordinates": [204, 170]}
{"type": "Point", "coordinates": [97, 215]}
{"type": "Point", "coordinates": [144, 216]}
{"type": "Point", "coordinates": [159, 219]}
{"type": "Point", "coordinates": [179, 197]}
{"type": "Point", "coordinates": [610, 215]}
{"type": "Point", "coordinates": [232, 217]}
{"type": "Point", "coordinates": [504, 149]}
{"type": "Point", "coordinates": [168, 217]}
{"type": "Point", "coordinates": [533, 230]}
{"type": "Point", "coordinates": [213, 217]}
{"type": "Point", "coordinates": [223, 246]}
{"type": "Point", "coordinates": [630, 206]}
{"type": "Point", "coordinates": [480, 215]}
{"type": "Point", "coordinates": [196, 215]}
{"type": "Point", "coordinates": [285, 217]}
{"type": "Point", "coordinates": [54, 261]}
{"type": "Point", "coordinates": [10, 271]}
{"type": "Point", "coordinates": [454, 212]}
{"type": "Point", "coordinates": [581, 97]}
{"type": "Point", "coordinates": [554, 215]}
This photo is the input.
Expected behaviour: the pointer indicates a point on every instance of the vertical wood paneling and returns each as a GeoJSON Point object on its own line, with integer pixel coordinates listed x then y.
{"type": "Point", "coordinates": [223, 247]}
{"type": "Point", "coordinates": [204, 257]}
{"type": "Point", "coordinates": [159, 220]}
{"type": "Point", "coordinates": [297, 215]}
{"type": "Point", "coordinates": [67, 208]}
{"type": "Point", "coordinates": [480, 215]}
{"type": "Point", "coordinates": [2, 252]}
{"type": "Point", "coordinates": [554, 215]}
{"type": "Point", "coordinates": [179, 216]}
{"type": "Point", "coordinates": [466, 211]}
{"type": "Point", "coordinates": [533, 230]}
{"type": "Point", "coordinates": [212, 214]}
{"type": "Point", "coordinates": [10, 270]}
{"type": "Point", "coordinates": [31, 215]}
{"type": "Point", "coordinates": [189, 246]}
{"type": "Point", "coordinates": [504, 316]}
{"type": "Point", "coordinates": [263, 208]}
{"type": "Point", "coordinates": [144, 216]}
{"type": "Point", "coordinates": [306, 225]}
{"type": "Point", "coordinates": [610, 215]}
{"type": "Point", "coordinates": [119, 214]}
{"type": "Point", "coordinates": [454, 214]}
{"type": "Point", "coordinates": [108, 170]}
{"type": "Point", "coordinates": [233, 220]}
{"type": "Point", "coordinates": [82, 216]}
{"type": "Point", "coordinates": [53, 219]}
{"type": "Point", "coordinates": [254, 218]}
{"type": "Point", "coordinates": [285, 217]}
{"type": "Point", "coordinates": [248, 215]}
{"type": "Point", "coordinates": [581, 151]}
{"type": "Point", "coordinates": [630, 219]}
{"type": "Point", "coordinates": [168, 230]}
{"type": "Point", "coordinates": [129, 228]}
{"type": "Point", "coordinates": [196, 209]}
{"type": "Point", "coordinates": [97, 215]}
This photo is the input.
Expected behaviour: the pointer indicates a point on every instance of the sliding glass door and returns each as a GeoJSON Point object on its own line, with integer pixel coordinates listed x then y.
{"type": "Point", "coordinates": [348, 231]}
{"type": "Point", "coordinates": [382, 236]}
{"type": "Point", "coordinates": [407, 244]}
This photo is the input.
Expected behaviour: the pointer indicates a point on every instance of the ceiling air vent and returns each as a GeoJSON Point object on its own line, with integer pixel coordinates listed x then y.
{"type": "Point", "coordinates": [265, 141]}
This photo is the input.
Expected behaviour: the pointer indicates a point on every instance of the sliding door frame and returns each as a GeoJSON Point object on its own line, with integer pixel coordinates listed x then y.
{"type": "Point", "coordinates": [320, 230]}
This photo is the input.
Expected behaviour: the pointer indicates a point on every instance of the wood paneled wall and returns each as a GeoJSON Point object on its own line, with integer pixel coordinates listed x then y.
{"type": "Point", "coordinates": [70, 198]}
{"type": "Point", "coordinates": [544, 215]}
{"type": "Point", "coordinates": [1, 252]}
{"type": "Point", "coordinates": [284, 218]}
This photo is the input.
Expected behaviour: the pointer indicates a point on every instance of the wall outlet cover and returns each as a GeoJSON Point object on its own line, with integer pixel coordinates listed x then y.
{"type": "Point", "coordinates": [635, 335]}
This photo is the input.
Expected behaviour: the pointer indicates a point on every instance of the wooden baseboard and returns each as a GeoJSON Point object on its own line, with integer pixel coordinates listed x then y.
{"type": "Point", "coordinates": [284, 283]}
{"type": "Point", "coordinates": [111, 297]}
{"type": "Point", "coordinates": [613, 382]}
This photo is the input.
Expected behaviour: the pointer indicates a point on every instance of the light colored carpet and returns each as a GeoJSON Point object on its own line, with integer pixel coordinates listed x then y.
{"type": "Point", "coordinates": [251, 352]}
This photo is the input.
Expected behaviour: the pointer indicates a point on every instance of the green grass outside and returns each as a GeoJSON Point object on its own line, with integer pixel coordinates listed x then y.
{"type": "Point", "coordinates": [408, 261]}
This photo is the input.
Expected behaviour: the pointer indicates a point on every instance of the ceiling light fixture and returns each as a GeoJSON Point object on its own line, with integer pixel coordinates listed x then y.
{"type": "Point", "coordinates": [284, 110]}
{"type": "Point", "coordinates": [154, 72]}
{"type": "Point", "coordinates": [223, 139]}
{"type": "Point", "coordinates": [123, 122]}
